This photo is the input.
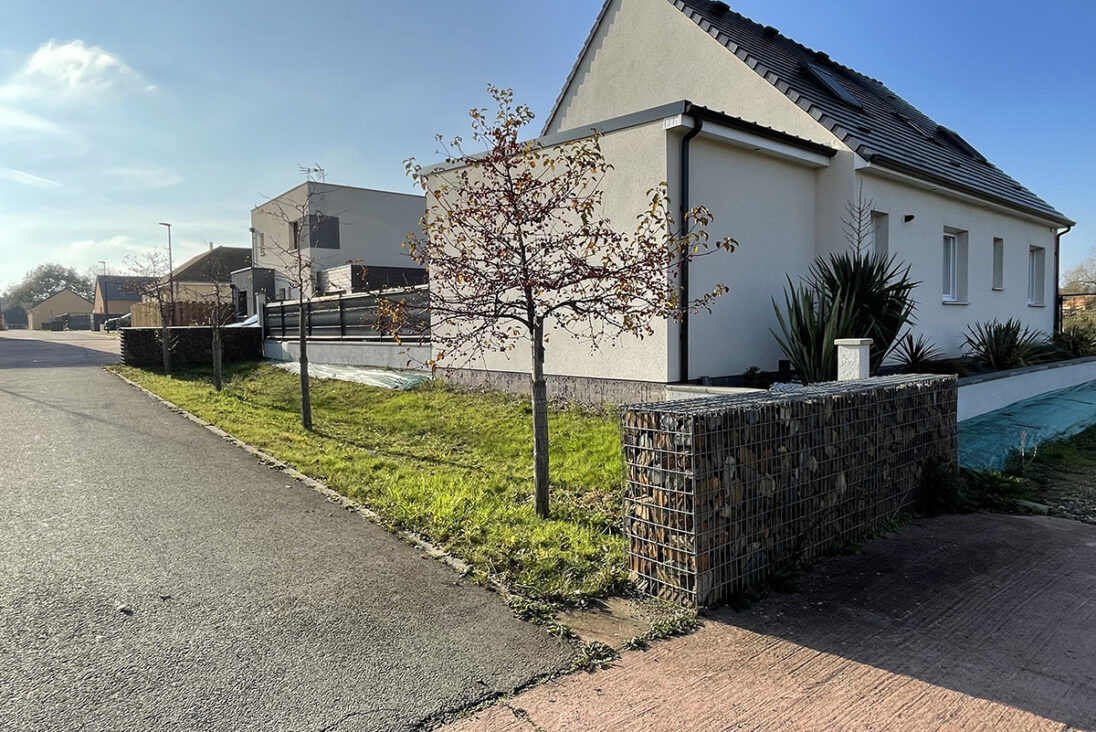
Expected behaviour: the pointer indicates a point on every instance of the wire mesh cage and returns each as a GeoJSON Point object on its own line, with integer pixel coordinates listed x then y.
{"type": "Point", "coordinates": [722, 492]}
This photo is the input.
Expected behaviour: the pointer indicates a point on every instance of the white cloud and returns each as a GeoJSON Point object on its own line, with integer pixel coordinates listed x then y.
{"type": "Point", "coordinates": [68, 71]}
{"type": "Point", "coordinates": [27, 179]}
{"type": "Point", "coordinates": [142, 177]}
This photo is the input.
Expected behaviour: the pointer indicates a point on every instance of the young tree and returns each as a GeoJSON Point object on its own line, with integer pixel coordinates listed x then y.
{"type": "Point", "coordinates": [152, 268]}
{"type": "Point", "coordinates": [516, 243]}
{"type": "Point", "coordinates": [219, 312]}
{"type": "Point", "coordinates": [305, 220]}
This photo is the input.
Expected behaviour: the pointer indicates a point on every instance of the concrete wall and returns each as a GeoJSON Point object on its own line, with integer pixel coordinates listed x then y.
{"type": "Point", "coordinates": [372, 227]}
{"type": "Point", "coordinates": [920, 243]}
{"type": "Point", "coordinates": [647, 52]}
{"type": "Point", "coordinates": [989, 392]}
{"type": "Point", "coordinates": [351, 353]}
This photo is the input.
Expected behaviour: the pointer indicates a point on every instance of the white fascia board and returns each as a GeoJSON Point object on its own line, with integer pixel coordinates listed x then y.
{"type": "Point", "coordinates": [864, 166]}
{"type": "Point", "coordinates": [749, 141]}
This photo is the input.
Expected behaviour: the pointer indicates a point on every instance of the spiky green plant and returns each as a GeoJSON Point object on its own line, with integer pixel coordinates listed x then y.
{"type": "Point", "coordinates": [852, 294]}
{"type": "Point", "coordinates": [1079, 339]}
{"type": "Point", "coordinates": [917, 354]}
{"type": "Point", "coordinates": [998, 346]}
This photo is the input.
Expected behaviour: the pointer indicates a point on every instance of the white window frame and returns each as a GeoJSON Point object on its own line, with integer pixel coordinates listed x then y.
{"type": "Point", "coordinates": [1037, 275]}
{"type": "Point", "coordinates": [998, 264]}
{"type": "Point", "coordinates": [951, 268]}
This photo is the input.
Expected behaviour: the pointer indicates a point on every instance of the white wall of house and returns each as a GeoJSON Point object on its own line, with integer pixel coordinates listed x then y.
{"type": "Point", "coordinates": [645, 53]}
{"type": "Point", "coordinates": [920, 243]}
{"type": "Point", "coordinates": [372, 227]}
{"type": "Point", "coordinates": [639, 157]}
{"type": "Point", "coordinates": [768, 206]}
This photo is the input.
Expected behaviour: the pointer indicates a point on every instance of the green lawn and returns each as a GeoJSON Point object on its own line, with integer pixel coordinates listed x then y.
{"type": "Point", "coordinates": [451, 465]}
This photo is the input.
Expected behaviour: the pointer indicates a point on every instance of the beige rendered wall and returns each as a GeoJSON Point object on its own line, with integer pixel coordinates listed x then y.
{"type": "Point", "coordinates": [920, 243]}
{"type": "Point", "coordinates": [768, 207]}
{"type": "Point", "coordinates": [639, 158]}
{"type": "Point", "coordinates": [63, 302]}
{"type": "Point", "coordinates": [647, 52]}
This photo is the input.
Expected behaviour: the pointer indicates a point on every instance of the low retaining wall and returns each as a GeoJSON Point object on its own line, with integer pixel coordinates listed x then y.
{"type": "Point", "coordinates": [990, 392]}
{"type": "Point", "coordinates": [722, 492]}
{"type": "Point", "coordinates": [349, 353]}
{"type": "Point", "coordinates": [190, 346]}
{"type": "Point", "coordinates": [580, 389]}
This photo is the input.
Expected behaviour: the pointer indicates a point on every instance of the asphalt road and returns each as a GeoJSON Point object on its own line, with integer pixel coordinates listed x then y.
{"type": "Point", "coordinates": [153, 577]}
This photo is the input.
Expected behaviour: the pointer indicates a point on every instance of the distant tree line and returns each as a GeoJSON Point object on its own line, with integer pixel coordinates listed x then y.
{"type": "Point", "coordinates": [38, 284]}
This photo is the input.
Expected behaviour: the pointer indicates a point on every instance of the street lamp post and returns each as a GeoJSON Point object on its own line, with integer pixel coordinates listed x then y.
{"type": "Point", "coordinates": [170, 271]}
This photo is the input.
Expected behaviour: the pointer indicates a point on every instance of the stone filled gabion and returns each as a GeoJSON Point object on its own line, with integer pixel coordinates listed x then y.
{"type": "Point", "coordinates": [721, 492]}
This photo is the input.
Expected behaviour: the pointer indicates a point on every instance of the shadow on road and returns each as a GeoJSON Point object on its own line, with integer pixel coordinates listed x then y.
{"type": "Point", "coordinates": [28, 352]}
{"type": "Point", "coordinates": [997, 607]}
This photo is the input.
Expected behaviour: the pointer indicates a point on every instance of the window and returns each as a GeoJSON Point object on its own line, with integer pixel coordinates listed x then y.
{"type": "Point", "coordinates": [315, 231]}
{"type": "Point", "coordinates": [998, 264]}
{"type": "Point", "coordinates": [880, 232]}
{"type": "Point", "coordinates": [294, 234]}
{"type": "Point", "coordinates": [829, 80]}
{"type": "Point", "coordinates": [1037, 269]}
{"type": "Point", "coordinates": [258, 242]}
{"type": "Point", "coordinates": [954, 288]}
{"type": "Point", "coordinates": [950, 268]}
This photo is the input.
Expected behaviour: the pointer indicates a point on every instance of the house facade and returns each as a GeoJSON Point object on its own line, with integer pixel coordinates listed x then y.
{"type": "Point", "coordinates": [776, 140]}
{"type": "Point", "coordinates": [333, 225]}
{"type": "Point", "coordinates": [115, 295]}
{"type": "Point", "coordinates": [59, 303]}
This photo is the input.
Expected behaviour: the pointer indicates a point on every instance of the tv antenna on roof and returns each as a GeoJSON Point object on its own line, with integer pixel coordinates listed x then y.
{"type": "Point", "coordinates": [315, 173]}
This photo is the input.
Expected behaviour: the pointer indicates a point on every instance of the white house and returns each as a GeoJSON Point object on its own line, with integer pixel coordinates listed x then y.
{"type": "Point", "coordinates": [775, 139]}
{"type": "Point", "coordinates": [335, 225]}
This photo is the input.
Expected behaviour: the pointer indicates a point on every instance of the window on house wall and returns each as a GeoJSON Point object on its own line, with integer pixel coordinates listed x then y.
{"type": "Point", "coordinates": [323, 231]}
{"type": "Point", "coordinates": [998, 263]}
{"type": "Point", "coordinates": [294, 234]}
{"type": "Point", "coordinates": [880, 232]}
{"type": "Point", "coordinates": [954, 287]}
{"type": "Point", "coordinates": [1037, 269]}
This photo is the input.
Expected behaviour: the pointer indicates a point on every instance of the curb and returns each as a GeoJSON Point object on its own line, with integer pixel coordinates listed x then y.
{"type": "Point", "coordinates": [432, 550]}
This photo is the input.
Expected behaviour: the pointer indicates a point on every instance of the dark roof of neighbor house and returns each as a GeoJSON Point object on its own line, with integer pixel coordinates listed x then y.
{"type": "Point", "coordinates": [213, 265]}
{"type": "Point", "coordinates": [862, 112]}
{"type": "Point", "coordinates": [121, 288]}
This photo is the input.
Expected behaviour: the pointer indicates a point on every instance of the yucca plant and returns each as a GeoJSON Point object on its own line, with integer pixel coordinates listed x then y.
{"type": "Point", "coordinates": [917, 354]}
{"type": "Point", "coordinates": [1078, 339]}
{"type": "Point", "coordinates": [1008, 345]}
{"type": "Point", "coordinates": [846, 295]}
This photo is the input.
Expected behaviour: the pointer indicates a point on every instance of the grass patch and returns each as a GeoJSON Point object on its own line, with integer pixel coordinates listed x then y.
{"type": "Point", "coordinates": [454, 466]}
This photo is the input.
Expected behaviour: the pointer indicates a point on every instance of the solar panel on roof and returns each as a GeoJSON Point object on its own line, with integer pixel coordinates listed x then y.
{"type": "Point", "coordinates": [835, 86]}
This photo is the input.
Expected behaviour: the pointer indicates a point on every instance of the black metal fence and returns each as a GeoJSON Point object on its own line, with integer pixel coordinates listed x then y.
{"type": "Point", "coordinates": [1076, 308]}
{"type": "Point", "coordinates": [354, 317]}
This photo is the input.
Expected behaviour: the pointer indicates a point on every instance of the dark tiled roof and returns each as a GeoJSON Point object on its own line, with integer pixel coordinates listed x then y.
{"type": "Point", "coordinates": [880, 126]}
{"type": "Point", "coordinates": [213, 265]}
{"type": "Point", "coordinates": [121, 288]}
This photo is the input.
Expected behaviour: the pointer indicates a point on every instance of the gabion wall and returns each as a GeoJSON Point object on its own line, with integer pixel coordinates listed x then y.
{"type": "Point", "coordinates": [721, 492]}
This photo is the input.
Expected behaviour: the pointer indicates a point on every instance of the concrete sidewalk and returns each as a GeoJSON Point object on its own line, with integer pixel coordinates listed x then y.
{"type": "Point", "coordinates": [978, 622]}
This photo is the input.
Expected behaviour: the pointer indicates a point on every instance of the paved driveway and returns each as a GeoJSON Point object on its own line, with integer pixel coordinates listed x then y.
{"type": "Point", "coordinates": [153, 576]}
{"type": "Point", "coordinates": [978, 622]}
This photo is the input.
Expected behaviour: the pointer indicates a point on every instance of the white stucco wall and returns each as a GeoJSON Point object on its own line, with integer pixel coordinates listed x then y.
{"type": "Point", "coordinates": [920, 243]}
{"type": "Point", "coordinates": [647, 52]}
{"type": "Point", "coordinates": [982, 394]}
{"type": "Point", "coordinates": [768, 207]}
{"type": "Point", "coordinates": [372, 226]}
{"type": "Point", "coordinates": [638, 155]}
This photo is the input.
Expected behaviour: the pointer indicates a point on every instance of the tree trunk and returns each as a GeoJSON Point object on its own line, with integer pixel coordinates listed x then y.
{"type": "Point", "coordinates": [302, 340]}
{"type": "Point", "coordinates": [218, 358]}
{"type": "Point", "coordinates": [540, 424]}
{"type": "Point", "coordinates": [165, 345]}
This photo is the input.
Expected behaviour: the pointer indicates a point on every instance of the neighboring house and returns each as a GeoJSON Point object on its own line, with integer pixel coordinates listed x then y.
{"type": "Point", "coordinates": [207, 277]}
{"type": "Point", "coordinates": [60, 303]}
{"type": "Point", "coordinates": [115, 295]}
{"type": "Point", "coordinates": [334, 226]}
{"type": "Point", "coordinates": [787, 137]}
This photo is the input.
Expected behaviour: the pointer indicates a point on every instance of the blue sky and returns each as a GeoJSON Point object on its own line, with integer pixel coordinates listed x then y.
{"type": "Point", "coordinates": [115, 116]}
